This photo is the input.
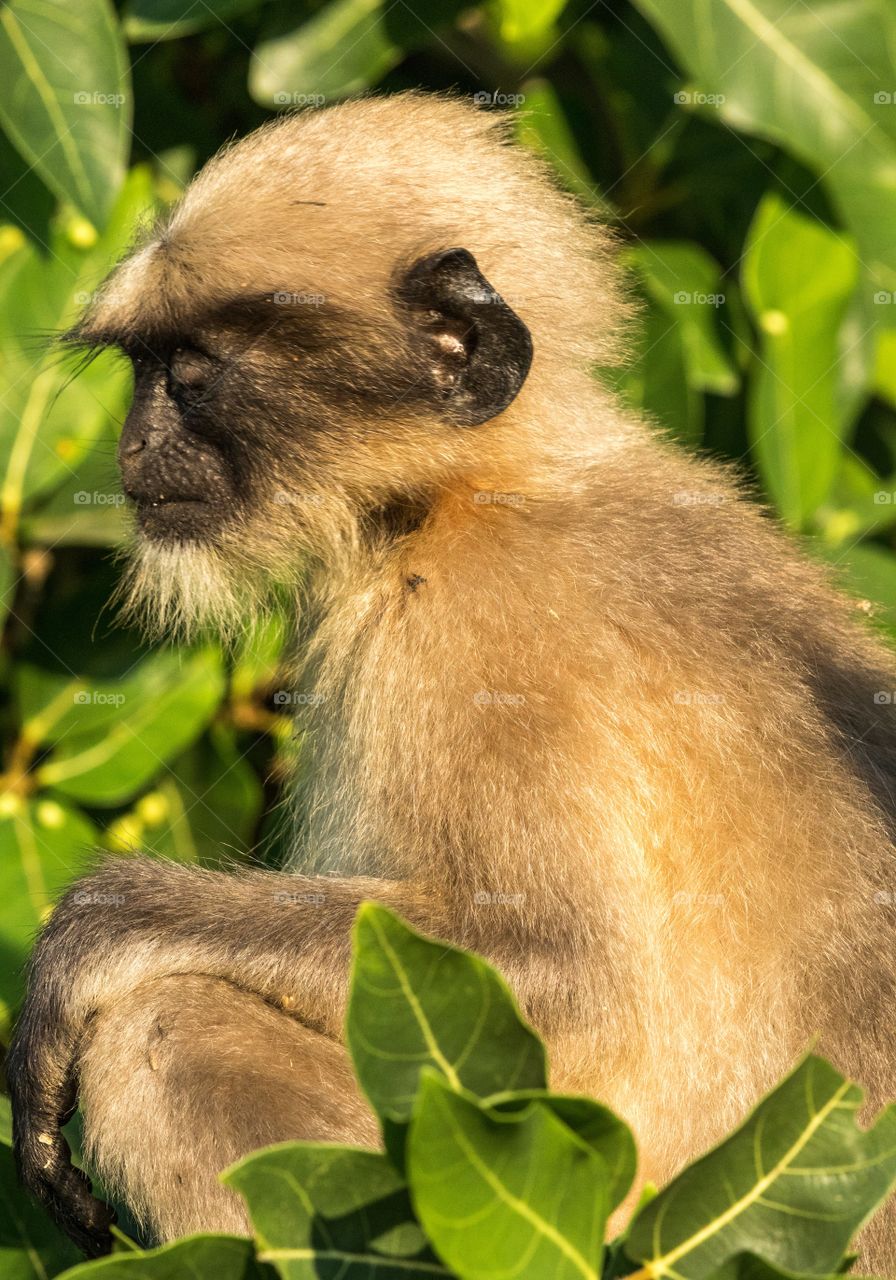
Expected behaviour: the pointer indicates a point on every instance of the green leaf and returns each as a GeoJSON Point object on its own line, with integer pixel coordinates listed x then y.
{"type": "Point", "coordinates": [596, 1125]}
{"type": "Point", "coordinates": [223, 1257]}
{"type": "Point", "coordinates": [544, 127]}
{"type": "Point", "coordinates": [798, 278]}
{"type": "Point", "coordinates": [67, 97]}
{"type": "Point", "coordinates": [505, 1194]}
{"type": "Point", "coordinates": [5, 1121]}
{"type": "Point", "coordinates": [656, 381]}
{"type": "Point", "coordinates": [43, 846]}
{"type": "Point", "coordinates": [152, 20]}
{"type": "Point", "coordinates": [815, 78]}
{"type": "Point", "coordinates": [325, 1210]}
{"type": "Point", "coordinates": [747, 1266]}
{"type": "Point", "coordinates": [526, 19]}
{"type": "Point", "coordinates": [48, 421]}
{"type": "Point", "coordinates": [417, 1003]}
{"type": "Point", "coordinates": [7, 581]}
{"type": "Point", "coordinates": [686, 284]}
{"type": "Point", "coordinates": [31, 1248]}
{"type": "Point", "coordinates": [204, 808]}
{"type": "Point", "coordinates": [113, 739]}
{"type": "Point", "coordinates": [792, 1185]}
{"type": "Point", "coordinates": [868, 572]}
{"type": "Point", "coordinates": [343, 48]}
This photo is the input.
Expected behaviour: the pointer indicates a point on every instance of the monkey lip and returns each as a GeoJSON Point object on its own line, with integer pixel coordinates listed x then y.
{"type": "Point", "coordinates": [155, 504]}
{"type": "Point", "coordinates": [150, 502]}
{"type": "Point", "coordinates": [178, 517]}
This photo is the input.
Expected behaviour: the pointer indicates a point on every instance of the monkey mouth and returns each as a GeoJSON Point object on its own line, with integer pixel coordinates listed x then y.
{"type": "Point", "coordinates": [177, 517]}
{"type": "Point", "coordinates": [143, 503]}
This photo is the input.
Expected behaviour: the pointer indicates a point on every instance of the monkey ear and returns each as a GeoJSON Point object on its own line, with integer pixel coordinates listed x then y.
{"type": "Point", "coordinates": [479, 349]}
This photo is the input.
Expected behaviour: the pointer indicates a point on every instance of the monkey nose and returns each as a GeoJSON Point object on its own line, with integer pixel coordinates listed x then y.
{"type": "Point", "coordinates": [128, 448]}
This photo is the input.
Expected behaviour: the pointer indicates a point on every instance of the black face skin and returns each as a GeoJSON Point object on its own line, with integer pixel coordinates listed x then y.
{"type": "Point", "coordinates": [173, 457]}
{"type": "Point", "coordinates": [222, 402]}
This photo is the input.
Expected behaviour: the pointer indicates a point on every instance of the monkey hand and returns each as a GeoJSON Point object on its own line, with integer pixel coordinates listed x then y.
{"type": "Point", "coordinates": [70, 959]}
{"type": "Point", "coordinates": [136, 919]}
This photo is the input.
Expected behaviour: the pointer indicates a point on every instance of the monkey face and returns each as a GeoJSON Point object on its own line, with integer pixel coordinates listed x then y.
{"type": "Point", "coordinates": [319, 335]}
{"type": "Point", "coordinates": [250, 415]}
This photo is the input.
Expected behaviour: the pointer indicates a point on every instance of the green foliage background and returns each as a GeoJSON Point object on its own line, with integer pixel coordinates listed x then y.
{"type": "Point", "coordinates": [745, 150]}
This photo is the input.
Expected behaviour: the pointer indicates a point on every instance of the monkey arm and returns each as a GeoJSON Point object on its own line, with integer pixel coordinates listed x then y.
{"type": "Point", "coordinates": [283, 937]}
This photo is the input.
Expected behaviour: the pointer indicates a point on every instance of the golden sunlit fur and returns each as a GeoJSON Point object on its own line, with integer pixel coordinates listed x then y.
{"type": "Point", "coordinates": [584, 708]}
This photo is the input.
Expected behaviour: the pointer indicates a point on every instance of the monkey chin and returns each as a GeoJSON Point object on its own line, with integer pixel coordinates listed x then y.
{"type": "Point", "coordinates": [189, 590]}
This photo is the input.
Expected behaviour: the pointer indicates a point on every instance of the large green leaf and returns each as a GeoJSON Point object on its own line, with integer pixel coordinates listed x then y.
{"type": "Point", "coordinates": [544, 127]}
{"type": "Point", "coordinates": [49, 421]}
{"type": "Point", "coordinates": [816, 78]}
{"type": "Point", "coordinates": [203, 809]}
{"type": "Point", "coordinates": [43, 846]}
{"type": "Point", "coordinates": [505, 1194]}
{"type": "Point", "coordinates": [7, 581]}
{"type": "Point", "coordinates": [198, 1257]}
{"type": "Point", "coordinates": [31, 1248]}
{"type": "Point", "coordinates": [5, 1121]}
{"type": "Point", "coordinates": [687, 284]}
{"type": "Point", "coordinates": [656, 380]}
{"type": "Point", "coordinates": [525, 19]}
{"type": "Point", "coordinates": [798, 277]}
{"type": "Point", "coordinates": [792, 1185]}
{"type": "Point", "coordinates": [330, 1211]}
{"type": "Point", "coordinates": [595, 1125]}
{"type": "Point", "coordinates": [67, 97]}
{"type": "Point", "coordinates": [679, 355]}
{"type": "Point", "coordinates": [113, 739]}
{"type": "Point", "coordinates": [146, 20]}
{"type": "Point", "coordinates": [343, 48]}
{"type": "Point", "coordinates": [417, 1003]}
{"type": "Point", "coordinates": [747, 1266]}
{"type": "Point", "coordinates": [868, 572]}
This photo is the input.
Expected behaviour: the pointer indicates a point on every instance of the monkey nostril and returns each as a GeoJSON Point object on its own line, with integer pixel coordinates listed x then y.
{"type": "Point", "coordinates": [133, 446]}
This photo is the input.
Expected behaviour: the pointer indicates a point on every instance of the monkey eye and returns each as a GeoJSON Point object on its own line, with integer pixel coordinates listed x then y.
{"type": "Point", "coordinates": [190, 375]}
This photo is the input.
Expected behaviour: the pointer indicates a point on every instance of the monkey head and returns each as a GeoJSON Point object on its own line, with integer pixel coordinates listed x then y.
{"type": "Point", "coordinates": [347, 311]}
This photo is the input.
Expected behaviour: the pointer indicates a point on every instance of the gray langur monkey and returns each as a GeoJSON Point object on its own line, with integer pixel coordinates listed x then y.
{"type": "Point", "coordinates": [578, 704]}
